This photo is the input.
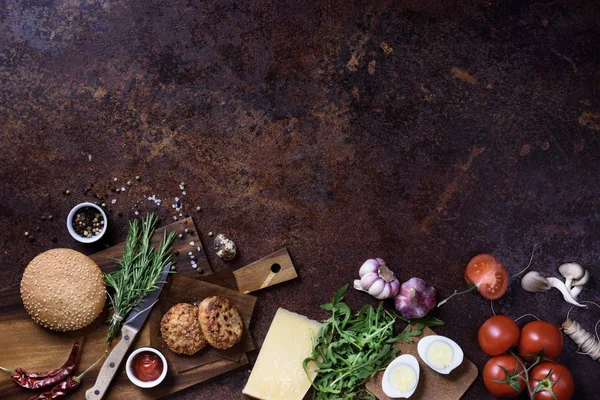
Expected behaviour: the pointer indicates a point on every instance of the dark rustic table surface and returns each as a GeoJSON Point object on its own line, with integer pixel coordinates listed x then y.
{"type": "Point", "coordinates": [422, 132]}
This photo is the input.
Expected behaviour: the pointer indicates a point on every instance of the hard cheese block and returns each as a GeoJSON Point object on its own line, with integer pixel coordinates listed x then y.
{"type": "Point", "coordinates": [278, 372]}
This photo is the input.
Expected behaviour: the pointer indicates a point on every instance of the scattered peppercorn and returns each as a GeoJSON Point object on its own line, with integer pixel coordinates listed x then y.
{"type": "Point", "coordinates": [26, 233]}
{"type": "Point", "coordinates": [67, 192]}
{"type": "Point", "coordinates": [50, 217]}
{"type": "Point", "coordinates": [88, 222]}
{"type": "Point", "coordinates": [137, 178]}
{"type": "Point", "coordinates": [103, 205]}
{"type": "Point", "coordinates": [43, 218]}
{"type": "Point", "coordinates": [181, 236]}
{"type": "Point", "coordinates": [54, 239]}
{"type": "Point", "coordinates": [210, 234]}
{"type": "Point", "coordinates": [198, 208]}
{"type": "Point", "coordinates": [128, 183]}
{"type": "Point", "coordinates": [31, 238]}
{"type": "Point", "coordinates": [186, 230]}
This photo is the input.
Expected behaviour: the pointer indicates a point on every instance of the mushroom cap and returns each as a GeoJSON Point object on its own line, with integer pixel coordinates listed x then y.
{"type": "Point", "coordinates": [534, 282]}
{"type": "Point", "coordinates": [582, 281]}
{"type": "Point", "coordinates": [571, 270]}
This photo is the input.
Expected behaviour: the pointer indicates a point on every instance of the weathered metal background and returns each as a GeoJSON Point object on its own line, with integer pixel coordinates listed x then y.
{"type": "Point", "coordinates": [420, 132]}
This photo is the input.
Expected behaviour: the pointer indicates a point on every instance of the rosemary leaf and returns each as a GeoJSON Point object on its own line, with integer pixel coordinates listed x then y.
{"type": "Point", "coordinates": [140, 269]}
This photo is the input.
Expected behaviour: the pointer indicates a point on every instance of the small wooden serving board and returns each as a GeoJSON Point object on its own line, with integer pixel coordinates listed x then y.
{"type": "Point", "coordinates": [431, 384]}
{"type": "Point", "coordinates": [25, 344]}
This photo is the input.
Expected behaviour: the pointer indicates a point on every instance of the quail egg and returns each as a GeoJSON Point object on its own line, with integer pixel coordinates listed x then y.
{"type": "Point", "coordinates": [401, 377]}
{"type": "Point", "coordinates": [225, 247]}
{"type": "Point", "coordinates": [440, 353]}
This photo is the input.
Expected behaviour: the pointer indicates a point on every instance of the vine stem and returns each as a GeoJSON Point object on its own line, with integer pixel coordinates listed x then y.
{"type": "Point", "coordinates": [456, 293]}
{"type": "Point", "coordinates": [526, 370]}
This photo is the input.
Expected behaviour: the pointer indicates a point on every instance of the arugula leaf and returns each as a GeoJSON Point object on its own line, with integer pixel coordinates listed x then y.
{"type": "Point", "coordinates": [349, 349]}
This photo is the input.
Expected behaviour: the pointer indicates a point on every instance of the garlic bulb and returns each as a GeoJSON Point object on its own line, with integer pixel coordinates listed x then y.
{"type": "Point", "coordinates": [416, 298]}
{"type": "Point", "coordinates": [377, 279]}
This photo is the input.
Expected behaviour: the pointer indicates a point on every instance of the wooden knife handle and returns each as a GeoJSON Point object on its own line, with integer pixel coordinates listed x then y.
{"type": "Point", "coordinates": [111, 365]}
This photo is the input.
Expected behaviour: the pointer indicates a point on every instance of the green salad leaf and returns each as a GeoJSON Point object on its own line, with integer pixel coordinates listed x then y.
{"type": "Point", "coordinates": [350, 349]}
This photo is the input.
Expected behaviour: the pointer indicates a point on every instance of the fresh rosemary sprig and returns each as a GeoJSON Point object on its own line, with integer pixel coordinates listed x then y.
{"type": "Point", "coordinates": [141, 266]}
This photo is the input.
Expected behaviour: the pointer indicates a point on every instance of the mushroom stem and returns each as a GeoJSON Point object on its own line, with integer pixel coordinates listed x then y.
{"type": "Point", "coordinates": [568, 282]}
{"type": "Point", "coordinates": [560, 285]}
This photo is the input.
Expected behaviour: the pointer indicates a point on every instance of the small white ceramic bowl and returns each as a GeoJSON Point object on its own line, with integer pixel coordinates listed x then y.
{"type": "Point", "coordinates": [386, 383]}
{"type": "Point", "coordinates": [135, 380]}
{"type": "Point", "coordinates": [71, 216]}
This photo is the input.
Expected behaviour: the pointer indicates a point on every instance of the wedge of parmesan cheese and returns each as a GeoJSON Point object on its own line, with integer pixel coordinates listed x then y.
{"type": "Point", "coordinates": [278, 372]}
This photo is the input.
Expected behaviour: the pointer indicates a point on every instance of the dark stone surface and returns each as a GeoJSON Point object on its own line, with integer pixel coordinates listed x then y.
{"type": "Point", "coordinates": [420, 132]}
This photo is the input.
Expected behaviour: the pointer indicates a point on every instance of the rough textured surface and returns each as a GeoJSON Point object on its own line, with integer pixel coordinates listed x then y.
{"type": "Point", "coordinates": [420, 132]}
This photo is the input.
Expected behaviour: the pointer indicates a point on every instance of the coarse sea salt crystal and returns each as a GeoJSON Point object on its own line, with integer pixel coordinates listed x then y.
{"type": "Point", "coordinates": [181, 187]}
{"type": "Point", "coordinates": [123, 189]}
{"type": "Point", "coordinates": [194, 266]}
{"type": "Point", "coordinates": [115, 179]}
{"type": "Point", "coordinates": [175, 217]}
{"type": "Point", "coordinates": [184, 193]}
{"type": "Point", "coordinates": [192, 244]}
{"type": "Point", "coordinates": [113, 201]}
{"type": "Point", "coordinates": [137, 213]}
{"type": "Point", "coordinates": [199, 248]}
{"type": "Point", "coordinates": [190, 253]}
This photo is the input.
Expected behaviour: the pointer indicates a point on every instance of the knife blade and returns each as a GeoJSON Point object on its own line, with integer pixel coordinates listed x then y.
{"type": "Point", "coordinates": [133, 324]}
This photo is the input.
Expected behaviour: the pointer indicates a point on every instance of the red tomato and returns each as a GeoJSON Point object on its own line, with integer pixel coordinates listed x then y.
{"type": "Point", "coordinates": [489, 276]}
{"type": "Point", "coordinates": [493, 370]}
{"type": "Point", "coordinates": [538, 336]}
{"type": "Point", "coordinates": [498, 334]}
{"type": "Point", "coordinates": [547, 378]}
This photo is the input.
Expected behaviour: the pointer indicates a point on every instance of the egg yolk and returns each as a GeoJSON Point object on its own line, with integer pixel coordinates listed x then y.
{"type": "Point", "coordinates": [403, 378]}
{"type": "Point", "coordinates": [440, 354]}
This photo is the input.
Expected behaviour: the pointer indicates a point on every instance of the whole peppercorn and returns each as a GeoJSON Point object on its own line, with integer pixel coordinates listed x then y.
{"type": "Point", "coordinates": [50, 217]}
{"type": "Point", "coordinates": [198, 208]}
{"type": "Point", "coordinates": [67, 192]}
{"type": "Point", "coordinates": [137, 178]}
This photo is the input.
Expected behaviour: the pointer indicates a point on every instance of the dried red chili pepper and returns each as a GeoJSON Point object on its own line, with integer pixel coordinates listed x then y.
{"type": "Point", "coordinates": [66, 386]}
{"type": "Point", "coordinates": [38, 380]}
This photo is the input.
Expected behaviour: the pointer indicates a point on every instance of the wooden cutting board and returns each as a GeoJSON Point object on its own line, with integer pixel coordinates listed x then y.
{"type": "Point", "coordinates": [431, 384]}
{"type": "Point", "coordinates": [25, 344]}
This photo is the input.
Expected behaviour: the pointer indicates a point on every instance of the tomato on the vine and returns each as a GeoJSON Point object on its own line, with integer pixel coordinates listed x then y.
{"type": "Point", "coordinates": [489, 276]}
{"type": "Point", "coordinates": [498, 334]}
{"type": "Point", "coordinates": [540, 337]}
{"type": "Point", "coordinates": [551, 381]}
{"type": "Point", "coordinates": [501, 376]}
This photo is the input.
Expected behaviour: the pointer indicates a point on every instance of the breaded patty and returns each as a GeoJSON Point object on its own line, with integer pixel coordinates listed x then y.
{"type": "Point", "coordinates": [220, 321]}
{"type": "Point", "coordinates": [181, 331]}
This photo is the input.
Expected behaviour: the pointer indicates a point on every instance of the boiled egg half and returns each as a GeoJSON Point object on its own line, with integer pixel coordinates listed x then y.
{"type": "Point", "coordinates": [440, 353]}
{"type": "Point", "coordinates": [401, 377]}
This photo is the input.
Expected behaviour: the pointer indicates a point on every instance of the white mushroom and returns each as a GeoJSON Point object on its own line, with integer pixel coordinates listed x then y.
{"type": "Point", "coordinates": [560, 285]}
{"type": "Point", "coordinates": [578, 284]}
{"type": "Point", "coordinates": [536, 283]}
{"type": "Point", "coordinates": [571, 272]}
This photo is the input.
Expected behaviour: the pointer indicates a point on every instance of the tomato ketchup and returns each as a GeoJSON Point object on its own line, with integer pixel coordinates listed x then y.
{"type": "Point", "coordinates": [147, 366]}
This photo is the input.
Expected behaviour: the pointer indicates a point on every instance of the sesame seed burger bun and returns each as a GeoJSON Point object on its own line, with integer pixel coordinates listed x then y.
{"type": "Point", "coordinates": [63, 290]}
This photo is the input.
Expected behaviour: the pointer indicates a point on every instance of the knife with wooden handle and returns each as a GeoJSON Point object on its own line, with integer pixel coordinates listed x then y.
{"type": "Point", "coordinates": [135, 321]}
